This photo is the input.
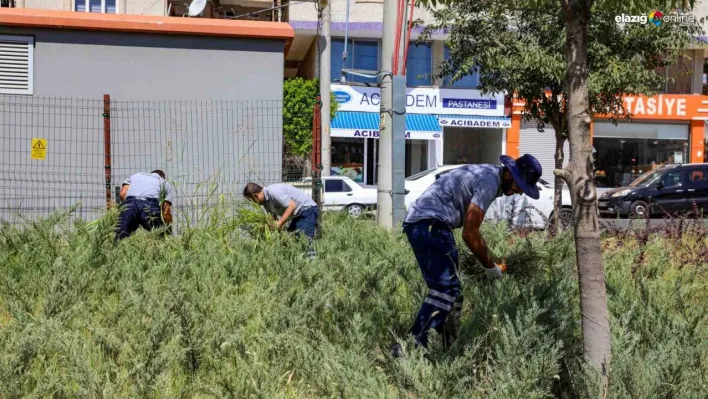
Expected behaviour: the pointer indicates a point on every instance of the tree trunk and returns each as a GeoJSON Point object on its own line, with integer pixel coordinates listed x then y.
{"type": "Point", "coordinates": [559, 157]}
{"type": "Point", "coordinates": [595, 320]}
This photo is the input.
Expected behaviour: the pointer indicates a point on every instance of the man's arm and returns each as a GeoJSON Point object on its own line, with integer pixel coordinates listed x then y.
{"type": "Point", "coordinates": [473, 238]}
{"type": "Point", "coordinates": [167, 196]}
{"type": "Point", "coordinates": [124, 191]}
{"type": "Point", "coordinates": [286, 215]}
{"type": "Point", "coordinates": [167, 212]}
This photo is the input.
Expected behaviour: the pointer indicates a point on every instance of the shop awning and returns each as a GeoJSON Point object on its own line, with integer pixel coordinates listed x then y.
{"type": "Point", "coordinates": [485, 122]}
{"type": "Point", "coordinates": [366, 125]}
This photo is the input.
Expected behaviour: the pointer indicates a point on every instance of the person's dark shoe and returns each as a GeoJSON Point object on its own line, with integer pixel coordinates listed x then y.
{"type": "Point", "coordinates": [311, 255]}
{"type": "Point", "coordinates": [397, 351]}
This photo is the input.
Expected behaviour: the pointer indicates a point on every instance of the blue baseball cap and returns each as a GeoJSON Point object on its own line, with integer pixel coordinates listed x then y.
{"type": "Point", "coordinates": [526, 171]}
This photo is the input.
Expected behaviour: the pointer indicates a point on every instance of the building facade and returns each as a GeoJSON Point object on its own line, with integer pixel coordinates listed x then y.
{"type": "Point", "coordinates": [215, 9]}
{"type": "Point", "coordinates": [446, 122]}
{"type": "Point", "coordinates": [202, 101]}
{"type": "Point", "coordinates": [659, 133]}
{"type": "Point", "coordinates": [654, 136]}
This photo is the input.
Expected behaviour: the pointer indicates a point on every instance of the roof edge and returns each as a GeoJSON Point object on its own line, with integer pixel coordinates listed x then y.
{"type": "Point", "coordinates": [147, 24]}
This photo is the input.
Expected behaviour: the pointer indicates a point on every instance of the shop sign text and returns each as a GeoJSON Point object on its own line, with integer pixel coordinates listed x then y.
{"type": "Point", "coordinates": [655, 106]}
{"type": "Point", "coordinates": [462, 103]}
{"type": "Point", "coordinates": [422, 100]}
{"type": "Point", "coordinates": [419, 100]}
{"type": "Point", "coordinates": [373, 134]}
{"type": "Point", "coordinates": [474, 123]}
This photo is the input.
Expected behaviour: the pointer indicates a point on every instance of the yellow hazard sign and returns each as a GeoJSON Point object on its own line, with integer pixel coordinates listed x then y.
{"type": "Point", "coordinates": [39, 149]}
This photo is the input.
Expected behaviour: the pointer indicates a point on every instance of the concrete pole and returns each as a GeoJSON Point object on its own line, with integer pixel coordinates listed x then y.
{"type": "Point", "coordinates": [398, 156]}
{"type": "Point", "coordinates": [325, 67]}
{"type": "Point", "coordinates": [384, 213]}
{"type": "Point", "coordinates": [398, 153]}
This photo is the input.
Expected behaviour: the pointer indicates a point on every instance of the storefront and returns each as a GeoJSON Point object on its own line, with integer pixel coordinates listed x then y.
{"type": "Point", "coordinates": [443, 126]}
{"type": "Point", "coordinates": [664, 129]}
{"type": "Point", "coordinates": [626, 151]}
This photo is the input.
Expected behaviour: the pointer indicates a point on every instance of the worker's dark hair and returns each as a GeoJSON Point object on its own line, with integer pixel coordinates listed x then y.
{"type": "Point", "coordinates": [251, 190]}
{"type": "Point", "coordinates": [159, 172]}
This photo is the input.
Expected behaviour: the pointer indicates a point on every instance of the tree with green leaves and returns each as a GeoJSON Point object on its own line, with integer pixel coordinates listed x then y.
{"type": "Point", "coordinates": [579, 38]}
{"type": "Point", "coordinates": [522, 51]}
{"type": "Point", "coordinates": [568, 60]}
{"type": "Point", "coordinates": [299, 96]}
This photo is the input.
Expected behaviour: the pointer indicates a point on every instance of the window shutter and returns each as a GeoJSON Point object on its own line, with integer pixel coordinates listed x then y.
{"type": "Point", "coordinates": [542, 145]}
{"type": "Point", "coordinates": [16, 63]}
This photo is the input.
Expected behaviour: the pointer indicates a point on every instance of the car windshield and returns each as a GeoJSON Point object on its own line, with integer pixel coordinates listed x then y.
{"type": "Point", "coordinates": [646, 178]}
{"type": "Point", "coordinates": [420, 174]}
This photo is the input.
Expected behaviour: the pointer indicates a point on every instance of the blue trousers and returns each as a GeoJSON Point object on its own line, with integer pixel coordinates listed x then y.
{"type": "Point", "coordinates": [135, 213]}
{"type": "Point", "coordinates": [436, 252]}
{"type": "Point", "coordinates": [305, 223]}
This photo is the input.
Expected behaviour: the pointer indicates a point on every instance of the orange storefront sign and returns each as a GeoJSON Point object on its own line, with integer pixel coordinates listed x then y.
{"type": "Point", "coordinates": [687, 108]}
{"type": "Point", "coordinates": [683, 108]}
{"type": "Point", "coordinates": [667, 107]}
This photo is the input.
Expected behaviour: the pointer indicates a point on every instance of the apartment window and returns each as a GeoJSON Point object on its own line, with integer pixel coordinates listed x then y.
{"type": "Point", "coordinates": [419, 66]}
{"type": "Point", "coordinates": [100, 6]}
{"type": "Point", "coordinates": [7, 3]}
{"type": "Point", "coordinates": [470, 81]}
{"type": "Point", "coordinates": [362, 55]}
{"type": "Point", "coordinates": [16, 64]}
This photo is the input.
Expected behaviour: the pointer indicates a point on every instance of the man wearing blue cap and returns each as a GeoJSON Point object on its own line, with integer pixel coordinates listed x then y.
{"type": "Point", "coordinates": [459, 198]}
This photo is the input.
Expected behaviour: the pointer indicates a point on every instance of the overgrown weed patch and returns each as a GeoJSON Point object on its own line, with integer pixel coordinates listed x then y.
{"type": "Point", "coordinates": [215, 313]}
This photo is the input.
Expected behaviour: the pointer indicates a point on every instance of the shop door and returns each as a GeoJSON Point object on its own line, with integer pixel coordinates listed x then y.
{"type": "Point", "coordinates": [670, 194]}
{"type": "Point", "coordinates": [697, 188]}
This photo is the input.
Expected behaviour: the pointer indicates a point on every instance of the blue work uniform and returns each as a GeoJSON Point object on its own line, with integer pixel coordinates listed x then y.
{"type": "Point", "coordinates": [143, 203]}
{"type": "Point", "coordinates": [428, 225]}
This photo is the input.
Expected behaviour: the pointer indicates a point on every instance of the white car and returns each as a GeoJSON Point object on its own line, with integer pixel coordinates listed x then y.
{"type": "Point", "coordinates": [342, 193]}
{"type": "Point", "coordinates": [525, 212]}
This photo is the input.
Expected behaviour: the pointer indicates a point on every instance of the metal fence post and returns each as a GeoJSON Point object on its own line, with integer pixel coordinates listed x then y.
{"type": "Point", "coordinates": [107, 146]}
{"type": "Point", "coordinates": [317, 161]}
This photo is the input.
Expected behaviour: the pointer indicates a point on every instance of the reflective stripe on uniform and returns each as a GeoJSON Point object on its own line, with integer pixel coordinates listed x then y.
{"type": "Point", "coordinates": [442, 295]}
{"type": "Point", "coordinates": [438, 304]}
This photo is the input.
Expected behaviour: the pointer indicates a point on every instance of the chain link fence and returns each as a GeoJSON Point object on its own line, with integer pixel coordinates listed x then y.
{"type": "Point", "coordinates": [208, 149]}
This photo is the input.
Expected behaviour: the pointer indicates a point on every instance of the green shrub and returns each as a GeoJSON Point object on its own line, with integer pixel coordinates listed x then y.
{"type": "Point", "coordinates": [210, 314]}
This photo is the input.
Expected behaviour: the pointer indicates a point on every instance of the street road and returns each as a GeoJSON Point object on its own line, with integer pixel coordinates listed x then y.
{"type": "Point", "coordinates": [637, 223]}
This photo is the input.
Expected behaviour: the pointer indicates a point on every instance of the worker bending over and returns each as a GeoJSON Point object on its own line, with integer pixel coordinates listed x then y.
{"type": "Point", "coordinates": [459, 198]}
{"type": "Point", "coordinates": [286, 202]}
{"type": "Point", "coordinates": [147, 202]}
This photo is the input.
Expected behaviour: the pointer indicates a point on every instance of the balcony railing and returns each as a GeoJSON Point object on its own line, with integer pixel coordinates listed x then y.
{"type": "Point", "coordinates": [257, 10]}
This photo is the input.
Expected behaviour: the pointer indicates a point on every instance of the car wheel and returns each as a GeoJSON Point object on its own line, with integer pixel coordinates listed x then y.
{"type": "Point", "coordinates": [355, 210]}
{"type": "Point", "coordinates": [566, 219]}
{"type": "Point", "coordinates": [638, 209]}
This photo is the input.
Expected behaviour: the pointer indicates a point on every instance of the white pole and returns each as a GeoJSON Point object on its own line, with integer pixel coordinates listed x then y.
{"type": "Point", "coordinates": [325, 66]}
{"type": "Point", "coordinates": [384, 214]}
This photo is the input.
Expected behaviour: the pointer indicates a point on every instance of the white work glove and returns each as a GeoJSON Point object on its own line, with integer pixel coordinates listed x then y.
{"type": "Point", "coordinates": [494, 273]}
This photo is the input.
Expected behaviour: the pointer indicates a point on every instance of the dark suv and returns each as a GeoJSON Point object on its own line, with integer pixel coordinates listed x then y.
{"type": "Point", "coordinates": [671, 188]}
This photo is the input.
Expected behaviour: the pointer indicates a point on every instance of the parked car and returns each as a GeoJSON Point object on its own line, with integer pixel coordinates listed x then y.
{"type": "Point", "coordinates": [671, 188]}
{"type": "Point", "coordinates": [342, 193]}
{"type": "Point", "coordinates": [525, 210]}
{"type": "Point", "coordinates": [416, 184]}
